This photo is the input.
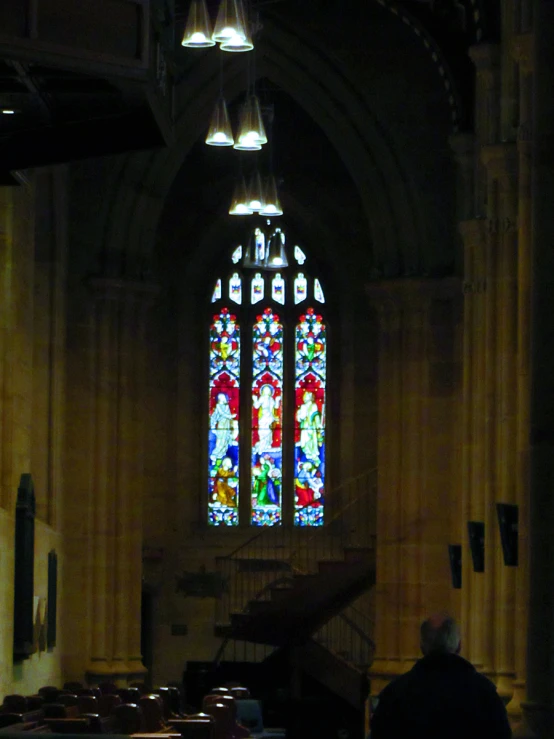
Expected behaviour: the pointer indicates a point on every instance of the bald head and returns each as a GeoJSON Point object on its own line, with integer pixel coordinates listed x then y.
{"type": "Point", "coordinates": [440, 635]}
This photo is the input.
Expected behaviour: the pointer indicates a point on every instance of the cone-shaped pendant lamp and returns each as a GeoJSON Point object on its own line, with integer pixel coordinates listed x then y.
{"type": "Point", "coordinates": [230, 21]}
{"type": "Point", "coordinates": [272, 205]}
{"type": "Point", "coordinates": [237, 43]}
{"type": "Point", "coordinates": [255, 193]}
{"type": "Point", "coordinates": [198, 31]}
{"type": "Point", "coordinates": [276, 254]}
{"type": "Point", "coordinates": [251, 134]}
{"type": "Point", "coordinates": [239, 204]}
{"type": "Point", "coordinates": [220, 132]}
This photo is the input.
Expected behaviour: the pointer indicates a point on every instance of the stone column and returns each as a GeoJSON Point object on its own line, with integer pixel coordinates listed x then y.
{"type": "Point", "coordinates": [463, 147]}
{"type": "Point", "coordinates": [414, 378]}
{"type": "Point", "coordinates": [412, 557]}
{"type": "Point", "coordinates": [522, 50]}
{"type": "Point", "coordinates": [539, 708]}
{"type": "Point", "coordinates": [474, 235]}
{"type": "Point", "coordinates": [501, 163]}
{"type": "Point", "coordinates": [486, 58]}
{"type": "Point", "coordinates": [17, 215]}
{"type": "Point", "coordinates": [118, 377]}
{"type": "Point", "coordinates": [479, 377]}
{"type": "Point", "coordinates": [387, 590]}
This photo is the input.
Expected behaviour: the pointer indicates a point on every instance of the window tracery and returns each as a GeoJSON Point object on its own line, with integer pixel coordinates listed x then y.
{"type": "Point", "coordinates": [269, 439]}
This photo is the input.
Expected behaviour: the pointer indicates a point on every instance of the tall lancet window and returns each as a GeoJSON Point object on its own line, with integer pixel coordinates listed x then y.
{"type": "Point", "coordinates": [267, 388]}
{"type": "Point", "coordinates": [309, 430]}
{"type": "Point", "coordinates": [224, 413]}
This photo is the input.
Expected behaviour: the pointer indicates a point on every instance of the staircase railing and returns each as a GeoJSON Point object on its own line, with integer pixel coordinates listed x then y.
{"type": "Point", "coordinates": [347, 635]}
{"type": "Point", "coordinates": [271, 552]}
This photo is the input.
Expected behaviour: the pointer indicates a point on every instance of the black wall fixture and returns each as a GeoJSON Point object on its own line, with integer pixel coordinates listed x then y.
{"type": "Point", "coordinates": [508, 520]}
{"type": "Point", "coordinates": [52, 602]}
{"type": "Point", "coordinates": [476, 531]}
{"type": "Point", "coordinates": [455, 557]}
{"type": "Point", "coordinates": [23, 617]}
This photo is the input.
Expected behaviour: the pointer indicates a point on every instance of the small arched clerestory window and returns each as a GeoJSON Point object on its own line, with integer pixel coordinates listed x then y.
{"type": "Point", "coordinates": [267, 388]}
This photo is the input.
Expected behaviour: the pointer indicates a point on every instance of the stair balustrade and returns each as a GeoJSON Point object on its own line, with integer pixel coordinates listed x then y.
{"type": "Point", "coordinates": [265, 566]}
{"type": "Point", "coordinates": [347, 635]}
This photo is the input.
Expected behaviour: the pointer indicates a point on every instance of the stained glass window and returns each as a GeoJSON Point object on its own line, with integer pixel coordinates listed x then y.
{"type": "Point", "coordinates": [257, 288]}
{"type": "Point", "coordinates": [270, 434]}
{"type": "Point", "coordinates": [278, 289]}
{"type": "Point", "coordinates": [300, 288]}
{"type": "Point", "coordinates": [318, 291]}
{"type": "Point", "coordinates": [235, 288]}
{"type": "Point", "coordinates": [223, 439]}
{"type": "Point", "coordinates": [267, 419]}
{"type": "Point", "coordinates": [309, 442]}
{"type": "Point", "coordinates": [216, 295]}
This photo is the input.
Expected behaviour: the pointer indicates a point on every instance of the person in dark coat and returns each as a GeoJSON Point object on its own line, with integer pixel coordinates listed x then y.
{"type": "Point", "coordinates": [443, 695]}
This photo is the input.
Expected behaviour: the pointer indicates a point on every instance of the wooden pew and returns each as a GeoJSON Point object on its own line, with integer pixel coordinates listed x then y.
{"type": "Point", "coordinates": [29, 717]}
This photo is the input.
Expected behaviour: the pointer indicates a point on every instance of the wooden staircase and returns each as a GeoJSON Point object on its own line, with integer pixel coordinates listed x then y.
{"type": "Point", "coordinates": [291, 609]}
{"type": "Point", "coordinates": [292, 590]}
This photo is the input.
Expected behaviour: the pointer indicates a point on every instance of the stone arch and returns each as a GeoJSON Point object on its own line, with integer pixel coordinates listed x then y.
{"type": "Point", "coordinates": [140, 182]}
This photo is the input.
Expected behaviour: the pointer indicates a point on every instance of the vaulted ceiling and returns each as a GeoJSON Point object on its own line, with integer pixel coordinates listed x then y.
{"type": "Point", "coordinates": [364, 97]}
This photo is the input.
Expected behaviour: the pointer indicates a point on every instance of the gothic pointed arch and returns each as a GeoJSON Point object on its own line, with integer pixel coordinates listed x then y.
{"type": "Point", "coordinates": [405, 231]}
{"type": "Point", "coordinates": [267, 387]}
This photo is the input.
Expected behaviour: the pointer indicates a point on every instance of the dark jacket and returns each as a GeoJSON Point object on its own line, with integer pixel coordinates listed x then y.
{"type": "Point", "coordinates": [443, 696]}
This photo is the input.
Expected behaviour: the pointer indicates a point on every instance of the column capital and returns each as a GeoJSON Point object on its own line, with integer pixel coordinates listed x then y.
{"type": "Point", "coordinates": [501, 160]}
{"type": "Point", "coordinates": [486, 58]}
{"type": "Point", "coordinates": [463, 146]}
{"type": "Point", "coordinates": [522, 51]}
{"type": "Point", "coordinates": [473, 232]}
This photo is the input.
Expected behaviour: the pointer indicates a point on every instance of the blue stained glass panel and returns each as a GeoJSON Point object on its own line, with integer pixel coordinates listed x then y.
{"type": "Point", "coordinates": [267, 419]}
{"type": "Point", "coordinates": [309, 431]}
{"type": "Point", "coordinates": [223, 438]}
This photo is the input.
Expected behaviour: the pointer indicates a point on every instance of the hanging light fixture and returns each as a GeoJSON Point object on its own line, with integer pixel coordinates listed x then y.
{"type": "Point", "coordinates": [255, 193]}
{"type": "Point", "coordinates": [272, 205]}
{"type": "Point", "coordinates": [239, 204]}
{"type": "Point", "coordinates": [276, 254]}
{"type": "Point", "coordinates": [251, 133]}
{"type": "Point", "coordinates": [220, 132]}
{"type": "Point", "coordinates": [242, 40]}
{"type": "Point", "coordinates": [237, 43]}
{"type": "Point", "coordinates": [255, 254]}
{"type": "Point", "coordinates": [198, 31]}
{"type": "Point", "coordinates": [230, 21]}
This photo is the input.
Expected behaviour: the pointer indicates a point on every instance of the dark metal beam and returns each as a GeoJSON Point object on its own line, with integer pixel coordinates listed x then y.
{"type": "Point", "coordinates": [33, 88]}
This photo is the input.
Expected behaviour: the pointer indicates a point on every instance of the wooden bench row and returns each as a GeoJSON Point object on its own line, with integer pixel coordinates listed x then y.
{"type": "Point", "coordinates": [149, 715]}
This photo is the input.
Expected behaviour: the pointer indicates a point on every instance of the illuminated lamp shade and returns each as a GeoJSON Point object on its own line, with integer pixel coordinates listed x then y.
{"type": "Point", "coordinates": [239, 204]}
{"type": "Point", "coordinates": [230, 21]}
{"type": "Point", "coordinates": [237, 43]}
{"type": "Point", "coordinates": [276, 254]}
{"type": "Point", "coordinates": [272, 205]}
{"type": "Point", "coordinates": [198, 31]}
{"type": "Point", "coordinates": [220, 132]}
{"type": "Point", "coordinates": [251, 133]}
{"type": "Point", "coordinates": [255, 193]}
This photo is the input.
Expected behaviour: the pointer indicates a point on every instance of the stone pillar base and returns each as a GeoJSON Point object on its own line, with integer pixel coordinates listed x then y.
{"type": "Point", "coordinates": [119, 672]}
{"type": "Point", "coordinates": [518, 697]}
{"type": "Point", "coordinates": [505, 686]}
